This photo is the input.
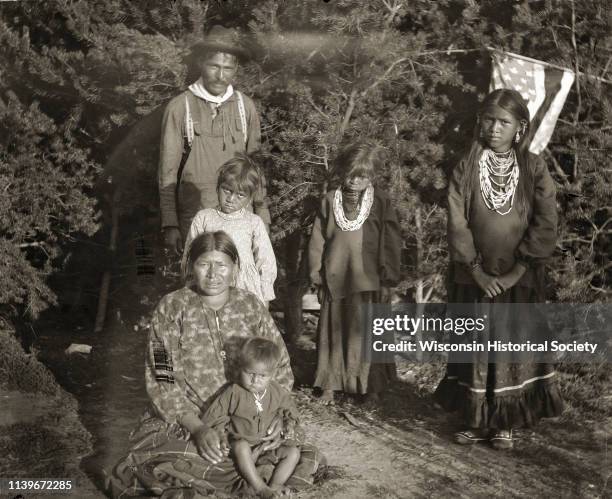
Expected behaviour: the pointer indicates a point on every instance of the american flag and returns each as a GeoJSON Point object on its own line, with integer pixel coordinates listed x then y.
{"type": "Point", "coordinates": [544, 87]}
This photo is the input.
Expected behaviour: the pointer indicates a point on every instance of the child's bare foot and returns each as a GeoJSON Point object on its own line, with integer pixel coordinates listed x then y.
{"type": "Point", "coordinates": [267, 493]}
{"type": "Point", "coordinates": [327, 397]}
{"type": "Point", "coordinates": [281, 490]}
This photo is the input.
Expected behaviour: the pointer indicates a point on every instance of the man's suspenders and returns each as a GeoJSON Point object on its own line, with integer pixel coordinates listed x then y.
{"type": "Point", "coordinates": [189, 133]}
{"type": "Point", "coordinates": [242, 113]}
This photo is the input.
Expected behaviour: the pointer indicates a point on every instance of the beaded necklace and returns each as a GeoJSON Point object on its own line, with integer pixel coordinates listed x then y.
{"type": "Point", "coordinates": [494, 165]}
{"type": "Point", "coordinates": [259, 400]}
{"type": "Point", "coordinates": [364, 207]}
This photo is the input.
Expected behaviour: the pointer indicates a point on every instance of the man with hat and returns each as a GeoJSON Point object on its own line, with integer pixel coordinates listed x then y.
{"type": "Point", "coordinates": [202, 128]}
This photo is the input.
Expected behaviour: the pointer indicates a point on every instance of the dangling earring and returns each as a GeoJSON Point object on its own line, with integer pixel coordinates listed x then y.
{"type": "Point", "coordinates": [517, 137]}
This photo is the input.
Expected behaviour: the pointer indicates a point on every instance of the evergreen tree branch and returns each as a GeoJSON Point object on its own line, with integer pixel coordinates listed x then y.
{"type": "Point", "coordinates": [316, 108]}
{"type": "Point", "coordinates": [393, 11]}
{"type": "Point", "coordinates": [557, 167]}
{"type": "Point", "coordinates": [347, 113]}
{"type": "Point", "coordinates": [384, 76]}
{"type": "Point", "coordinates": [31, 245]}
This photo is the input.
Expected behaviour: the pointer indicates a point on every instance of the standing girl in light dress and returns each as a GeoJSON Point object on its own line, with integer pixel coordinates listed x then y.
{"type": "Point", "coordinates": [354, 259]}
{"type": "Point", "coordinates": [238, 181]}
{"type": "Point", "coordinates": [502, 221]}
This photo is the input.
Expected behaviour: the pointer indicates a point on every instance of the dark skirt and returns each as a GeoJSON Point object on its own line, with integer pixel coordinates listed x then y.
{"type": "Point", "coordinates": [164, 462]}
{"type": "Point", "coordinates": [341, 363]}
{"type": "Point", "coordinates": [500, 395]}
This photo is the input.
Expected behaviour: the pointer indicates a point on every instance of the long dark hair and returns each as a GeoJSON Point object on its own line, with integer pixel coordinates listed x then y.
{"type": "Point", "coordinates": [512, 102]}
{"type": "Point", "coordinates": [210, 241]}
{"type": "Point", "coordinates": [363, 158]}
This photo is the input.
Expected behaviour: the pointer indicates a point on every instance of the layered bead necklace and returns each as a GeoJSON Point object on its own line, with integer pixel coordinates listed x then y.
{"type": "Point", "coordinates": [364, 207]}
{"type": "Point", "coordinates": [503, 166]}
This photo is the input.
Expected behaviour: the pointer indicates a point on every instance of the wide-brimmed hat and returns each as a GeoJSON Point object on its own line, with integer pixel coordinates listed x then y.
{"type": "Point", "coordinates": [221, 39]}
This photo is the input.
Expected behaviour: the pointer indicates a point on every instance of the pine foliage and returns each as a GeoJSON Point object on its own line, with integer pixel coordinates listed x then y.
{"type": "Point", "coordinates": [408, 74]}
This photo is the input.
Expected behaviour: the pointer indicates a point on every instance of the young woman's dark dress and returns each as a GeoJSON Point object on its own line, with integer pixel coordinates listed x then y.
{"type": "Point", "coordinates": [500, 395]}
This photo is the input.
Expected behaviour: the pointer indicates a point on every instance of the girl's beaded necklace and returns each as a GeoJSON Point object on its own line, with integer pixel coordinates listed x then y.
{"type": "Point", "coordinates": [493, 166]}
{"type": "Point", "coordinates": [364, 207]}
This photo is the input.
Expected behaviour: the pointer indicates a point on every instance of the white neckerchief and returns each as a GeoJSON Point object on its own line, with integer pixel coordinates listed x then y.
{"type": "Point", "coordinates": [200, 91]}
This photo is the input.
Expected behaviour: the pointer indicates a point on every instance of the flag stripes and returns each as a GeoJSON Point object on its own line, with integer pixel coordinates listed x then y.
{"type": "Point", "coordinates": [543, 87]}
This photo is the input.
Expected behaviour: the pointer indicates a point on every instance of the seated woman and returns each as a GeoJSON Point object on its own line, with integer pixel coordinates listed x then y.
{"type": "Point", "coordinates": [195, 336]}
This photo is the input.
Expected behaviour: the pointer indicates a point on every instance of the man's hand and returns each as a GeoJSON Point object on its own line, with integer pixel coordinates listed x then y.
{"type": "Point", "coordinates": [211, 445]}
{"type": "Point", "coordinates": [173, 239]}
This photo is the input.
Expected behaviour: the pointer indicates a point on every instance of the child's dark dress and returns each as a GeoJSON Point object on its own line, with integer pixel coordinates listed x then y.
{"type": "Point", "coordinates": [500, 395]}
{"type": "Point", "coordinates": [352, 266]}
{"type": "Point", "coordinates": [235, 410]}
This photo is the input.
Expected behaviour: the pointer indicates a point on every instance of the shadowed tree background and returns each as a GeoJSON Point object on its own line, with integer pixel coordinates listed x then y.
{"type": "Point", "coordinates": [83, 85]}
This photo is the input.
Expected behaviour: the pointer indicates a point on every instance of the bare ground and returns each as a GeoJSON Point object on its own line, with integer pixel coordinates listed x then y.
{"type": "Point", "coordinates": [405, 449]}
{"type": "Point", "coordinates": [413, 457]}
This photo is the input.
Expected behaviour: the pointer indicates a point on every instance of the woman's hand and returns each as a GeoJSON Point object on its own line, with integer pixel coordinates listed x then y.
{"type": "Point", "coordinates": [273, 439]}
{"type": "Point", "coordinates": [289, 431]}
{"type": "Point", "coordinates": [211, 445]}
{"type": "Point", "coordinates": [293, 432]}
{"type": "Point", "coordinates": [490, 284]}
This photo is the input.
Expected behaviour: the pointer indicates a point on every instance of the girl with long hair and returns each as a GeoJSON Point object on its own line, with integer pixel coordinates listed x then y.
{"type": "Point", "coordinates": [502, 221]}
{"type": "Point", "coordinates": [354, 259]}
